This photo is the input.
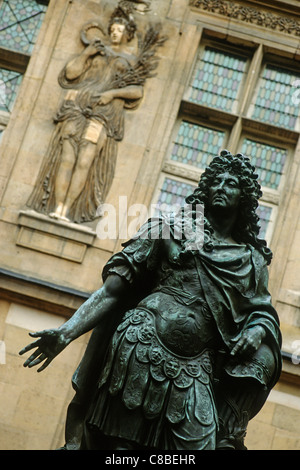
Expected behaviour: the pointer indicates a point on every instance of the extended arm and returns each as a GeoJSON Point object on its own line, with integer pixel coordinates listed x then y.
{"type": "Point", "coordinates": [98, 308]}
{"type": "Point", "coordinates": [130, 92]}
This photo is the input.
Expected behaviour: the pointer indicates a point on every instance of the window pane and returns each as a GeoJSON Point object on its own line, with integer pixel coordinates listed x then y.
{"type": "Point", "coordinates": [264, 213]}
{"type": "Point", "coordinates": [20, 23]}
{"type": "Point", "coordinates": [268, 160]}
{"type": "Point", "coordinates": [196, 145]}
{"type": "Point", "coordinates": [216, 79]}
{"type": "Point", "coordinates": [173, 193]}
{"type": "Point", "coordinates": [274, 102]}
{"type": "Point", "coordinates": [9, 85]}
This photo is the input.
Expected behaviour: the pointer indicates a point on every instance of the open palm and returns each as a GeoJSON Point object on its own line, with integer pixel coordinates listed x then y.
{"type": "Point", "coordinates": [50, 343]}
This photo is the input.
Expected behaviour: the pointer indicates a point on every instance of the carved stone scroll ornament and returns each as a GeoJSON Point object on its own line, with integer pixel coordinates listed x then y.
{"type": "Point", "coordinates": [249, 15]}
{"type": "Point", "coordinates": [100, 83]}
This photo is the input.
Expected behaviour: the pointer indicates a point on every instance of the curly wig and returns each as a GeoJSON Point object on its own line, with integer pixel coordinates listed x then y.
{"type": "Point", "coordinates": [246, 228]}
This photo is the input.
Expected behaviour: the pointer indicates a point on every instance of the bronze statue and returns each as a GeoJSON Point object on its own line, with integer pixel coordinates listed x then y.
{"type": "Point", "coordinates": [106, 78]}
{"type": "Point", "coordinates": [186, 343]}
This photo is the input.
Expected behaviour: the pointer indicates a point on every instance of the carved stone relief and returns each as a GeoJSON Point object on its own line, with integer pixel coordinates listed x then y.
{"type": "Point", "coordinates": [249, 15]}
{"type": "Point", "coordinates": [139, 5]}
{"type": "Point", "coordinates": [104, 80]}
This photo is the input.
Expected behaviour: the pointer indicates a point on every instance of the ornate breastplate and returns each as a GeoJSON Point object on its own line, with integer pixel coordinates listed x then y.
{"type": "Point", "coordinates": [182, 323]}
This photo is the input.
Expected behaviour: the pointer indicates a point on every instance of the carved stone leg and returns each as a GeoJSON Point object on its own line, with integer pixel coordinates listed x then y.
{"type": "Point", "coordinates": [79, 177]}
{"type": "Point", "coordinates": [64, 176]}
{"type": "Point", "coordinates": [94, 140]}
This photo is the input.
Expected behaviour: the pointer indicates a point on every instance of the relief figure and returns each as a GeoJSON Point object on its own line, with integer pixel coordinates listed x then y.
{"type": "Point", "coordinates": [101, 82]}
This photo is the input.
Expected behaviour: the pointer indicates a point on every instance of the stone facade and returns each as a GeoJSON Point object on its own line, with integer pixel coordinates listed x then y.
{"type": "Point", "coordinates": [49, 267]}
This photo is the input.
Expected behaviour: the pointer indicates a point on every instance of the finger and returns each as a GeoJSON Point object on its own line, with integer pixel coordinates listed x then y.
{"type": "Point", "coordinates": [32, 357]}
{"type": "Point", "coordinates": [247, 348]}
{"type": "Point", "coordinates": [40, 359]}
{"type": "Point", "coordinates": [29, 347]}
{"type": "Point", "coordinates": [38, 334]}
{"type": "Point", "coordinates": [46, 364]}
{"type": "Point", "coordinates": [244, 349]}
{"type": "Point", "coordinates": [237, 348]}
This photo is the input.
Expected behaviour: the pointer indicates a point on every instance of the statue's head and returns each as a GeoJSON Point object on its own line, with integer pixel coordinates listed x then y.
{"type": "Point", "coordinates": [238, 166]}
{"type": "Point", "coordinates": [246, 228]}
{"type": "Point", "coordinates": [122, 20]}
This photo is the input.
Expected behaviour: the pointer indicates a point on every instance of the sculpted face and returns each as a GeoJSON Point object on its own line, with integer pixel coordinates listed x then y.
{"type": "Point", "coordinates": [117, 33]}
{"type": "Point", "coordinates": [224, 192]}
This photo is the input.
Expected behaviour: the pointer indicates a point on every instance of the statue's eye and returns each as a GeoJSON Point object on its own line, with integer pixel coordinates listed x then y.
{"type": "Point", "coordinates": [233, 184]}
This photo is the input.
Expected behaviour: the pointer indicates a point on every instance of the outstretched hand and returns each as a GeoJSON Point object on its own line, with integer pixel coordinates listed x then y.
{"type": "Point", "coordinates": [50, 343]}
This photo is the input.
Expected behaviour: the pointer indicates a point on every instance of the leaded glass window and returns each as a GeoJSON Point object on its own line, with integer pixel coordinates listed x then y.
{"type": "Point", "coordinates": [264, 213]}
{"type": "Point", "coordinates": [241, 98]}
{"type": "Point", "coordinates": [196, 145]}
{"type": "Point", "coordinates": [20, 22]}
{"type": "Point", "coordinates": [9, 85]}
{"type": "Point", "coordinates": [274, 102]}
{"type": "Point", "coordinates": [217, 79]}
{"type": "Point", "coordinates": [267, 159]}
{"type": "Point", "coordinates": [172, 194]}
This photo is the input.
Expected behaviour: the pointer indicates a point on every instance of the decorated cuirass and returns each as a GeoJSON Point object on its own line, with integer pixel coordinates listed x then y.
{"type": "Point", "coordinates": [147, 373]}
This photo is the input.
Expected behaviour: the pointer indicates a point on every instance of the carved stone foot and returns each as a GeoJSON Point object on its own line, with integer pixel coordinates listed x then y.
{"type": "Point", "coordinates": [54, 215]}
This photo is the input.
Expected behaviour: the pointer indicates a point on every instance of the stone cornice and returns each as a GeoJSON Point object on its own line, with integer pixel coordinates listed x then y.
{"type": "Point", "coordinates": [249, 14]}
